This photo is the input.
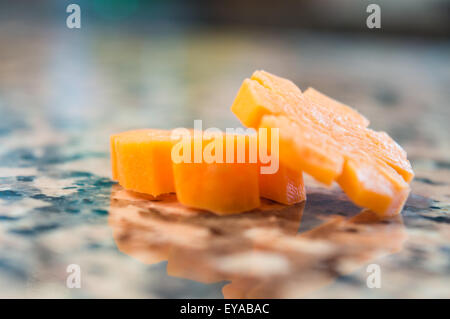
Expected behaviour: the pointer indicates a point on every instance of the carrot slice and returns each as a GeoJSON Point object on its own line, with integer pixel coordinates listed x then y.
{"type": "Point", "coordinates": [328, 140]}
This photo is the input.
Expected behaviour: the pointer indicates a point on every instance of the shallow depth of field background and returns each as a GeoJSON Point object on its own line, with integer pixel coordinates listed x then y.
{"type": "Point", "coordinates": [165, 63]}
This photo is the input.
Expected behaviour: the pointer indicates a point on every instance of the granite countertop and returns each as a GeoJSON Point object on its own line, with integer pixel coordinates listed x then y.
{"type": "Point", "coordinates": [62, 93]}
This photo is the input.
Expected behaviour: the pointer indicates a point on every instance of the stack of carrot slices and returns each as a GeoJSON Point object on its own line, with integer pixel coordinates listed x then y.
{"type": "Point", "coordinates": [320, 136]}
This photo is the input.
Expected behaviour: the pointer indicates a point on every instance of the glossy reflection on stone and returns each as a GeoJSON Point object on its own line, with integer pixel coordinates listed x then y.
{"type": "Point", "coordinates": [260, 253]}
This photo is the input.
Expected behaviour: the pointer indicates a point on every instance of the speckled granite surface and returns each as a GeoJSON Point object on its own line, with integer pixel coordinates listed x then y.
{"type": "Point", "coordinates": [63, 93]}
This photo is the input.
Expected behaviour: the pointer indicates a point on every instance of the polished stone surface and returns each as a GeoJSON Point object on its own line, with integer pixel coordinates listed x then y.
{"type": "Point", "coordinates": [62, 93]}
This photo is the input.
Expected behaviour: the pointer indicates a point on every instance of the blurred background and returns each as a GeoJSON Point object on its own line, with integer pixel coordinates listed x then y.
{"type": "Point", "coordinates": [401, 17]}
{"type": "Point", "coordinates": [165, 63]}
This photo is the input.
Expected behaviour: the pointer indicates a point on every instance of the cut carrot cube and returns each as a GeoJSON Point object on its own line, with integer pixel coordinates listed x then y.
{"type": "Point", "coordinates": [328, 140]}
{"type": "Point", "coordinates": [223, 188]}
{"type": "Point", "coordinates": [285, 186]}
{"type": "Point", "coordinates": [141, 161]}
